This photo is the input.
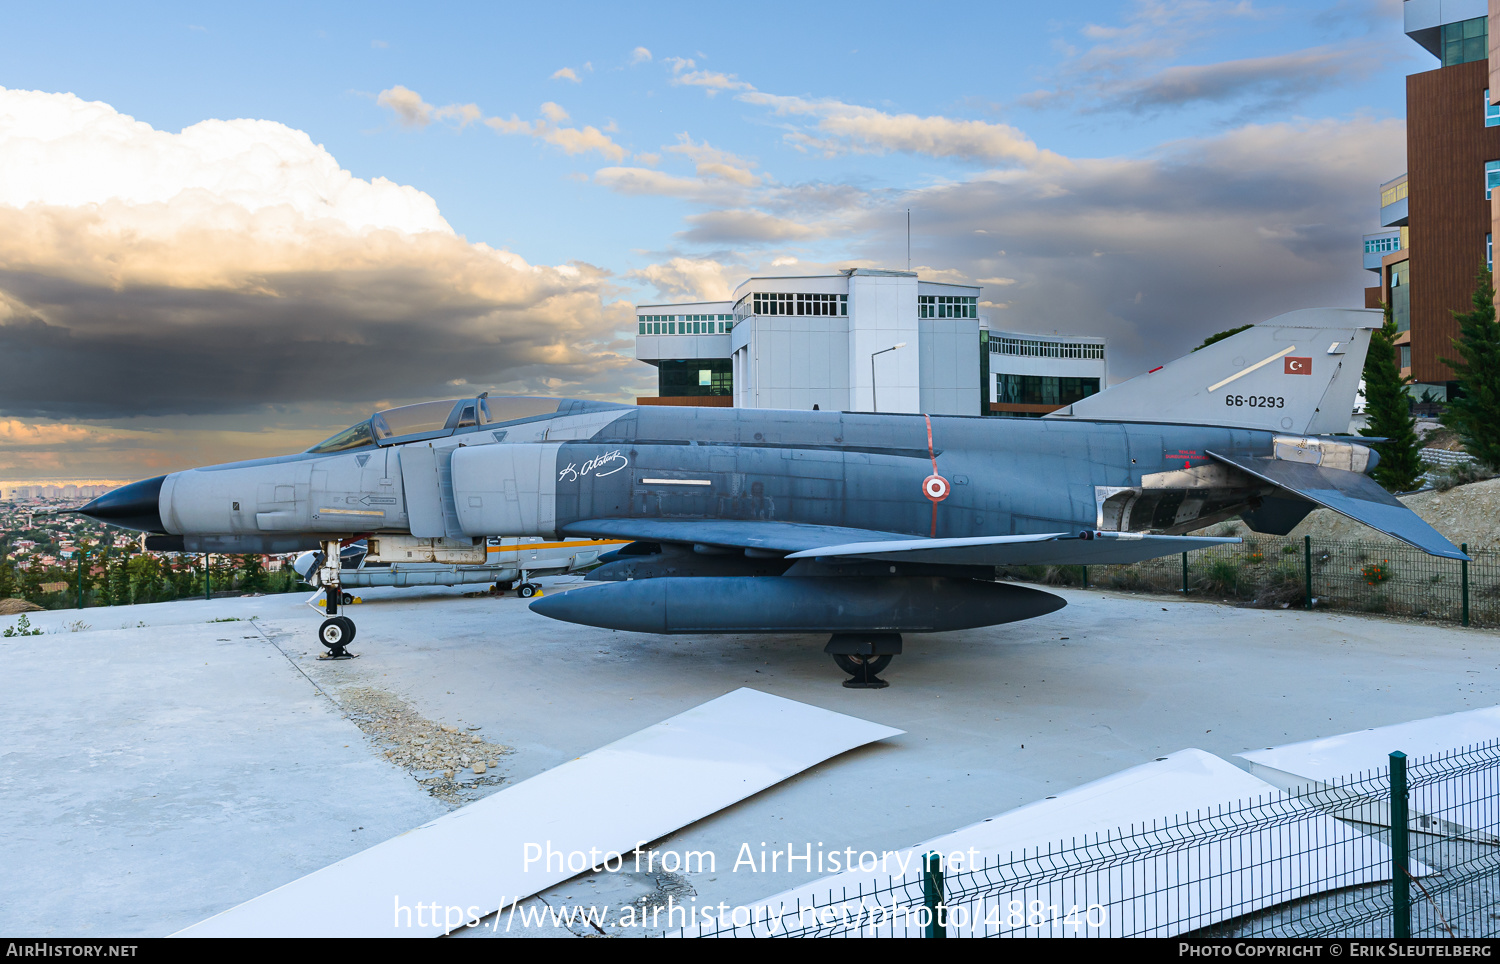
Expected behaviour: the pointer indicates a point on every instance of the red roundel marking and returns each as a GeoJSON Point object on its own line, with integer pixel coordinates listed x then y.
{"type": "Point", "coordinates": [935, 487]}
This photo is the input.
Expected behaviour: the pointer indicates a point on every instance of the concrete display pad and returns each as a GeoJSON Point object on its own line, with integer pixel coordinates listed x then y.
{"type": "Point", "coordinates": [145, 791]}
{"type": "Point", "coordinates": [592, 812]}
{"type": "Point", "coordinates": [1198, 885]}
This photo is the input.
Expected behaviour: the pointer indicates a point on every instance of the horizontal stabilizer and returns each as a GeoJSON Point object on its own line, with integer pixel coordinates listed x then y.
{"type": "Point", "coordinates": [1350, 494]}
{"type": "Point", "coordinates": [1053, 549]}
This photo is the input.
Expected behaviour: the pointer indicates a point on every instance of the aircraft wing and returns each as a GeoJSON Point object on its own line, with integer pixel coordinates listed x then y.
{"type": "Point", "coordinates": [1351, 494]}
{"type": "Point", "coordinates": [801, 541]}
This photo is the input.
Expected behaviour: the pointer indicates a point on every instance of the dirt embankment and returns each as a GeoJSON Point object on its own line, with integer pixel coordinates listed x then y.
{"type": "Point", "coordinates": [1467, 513]}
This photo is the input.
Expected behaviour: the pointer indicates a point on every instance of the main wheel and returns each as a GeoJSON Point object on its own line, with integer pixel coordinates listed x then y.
{"type": "Point", "coordinates": [346, 599]}
{"type": "Point", "coordinates": [526, 591]}
{"type": "Point", "coordinates": [336, 633]}
{"type": "Point", "coordinates": [857, 665]}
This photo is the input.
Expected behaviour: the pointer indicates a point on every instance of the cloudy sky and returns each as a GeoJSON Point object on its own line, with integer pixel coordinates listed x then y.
{"type": "Point", "coordinates": [228, 233]}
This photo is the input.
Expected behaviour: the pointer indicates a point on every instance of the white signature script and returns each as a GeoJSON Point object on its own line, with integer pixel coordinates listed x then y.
{"type": "Point", "coordinates": [573, 472]}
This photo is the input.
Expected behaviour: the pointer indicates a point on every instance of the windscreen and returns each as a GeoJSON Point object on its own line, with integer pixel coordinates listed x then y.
{"type": "Point", "coordinates": [353, 437]}
{"type": "Point", "coordinates": [411, 419]}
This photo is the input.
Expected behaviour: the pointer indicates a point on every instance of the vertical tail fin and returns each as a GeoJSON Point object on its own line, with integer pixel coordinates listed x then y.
{"type": "Point", "coordinates": [1296, 373]}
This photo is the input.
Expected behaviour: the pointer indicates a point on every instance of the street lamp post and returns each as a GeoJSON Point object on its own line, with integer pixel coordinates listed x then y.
{"type": "Point", "coordinates": [874, 397]}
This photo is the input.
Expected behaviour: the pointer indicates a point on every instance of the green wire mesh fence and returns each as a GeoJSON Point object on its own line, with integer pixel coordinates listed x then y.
{"type": "Point", "coordinates": [1277, 572]}
{"type": "Point", "coordinates": [1317, 861]}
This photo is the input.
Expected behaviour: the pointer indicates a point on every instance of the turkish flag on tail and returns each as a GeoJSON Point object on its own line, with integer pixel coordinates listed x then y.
{"type": "Point", "coordinates": [1298, 366]}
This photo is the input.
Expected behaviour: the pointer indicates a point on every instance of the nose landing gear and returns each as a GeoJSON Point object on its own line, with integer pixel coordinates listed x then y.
{"type": "Point", "coordinates": [337, 632]}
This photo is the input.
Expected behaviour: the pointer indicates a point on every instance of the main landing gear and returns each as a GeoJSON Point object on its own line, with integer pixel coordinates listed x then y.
{"type": "Point", "coordinates": [863, 656]}
{"type": "Point", "coordinates": [337, 632]}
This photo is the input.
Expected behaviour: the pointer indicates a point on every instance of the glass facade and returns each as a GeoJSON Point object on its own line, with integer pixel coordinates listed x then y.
{"type": "Point", "coordinates": [1491, 111]}
{"type": "Point", "coordinates": [684, 324]}
{"type": "Point", "coordinates": [1385, 245]}
{"type": "Point", "coordinates": [1466, 41]}
{"type": "Point", "coordinates": [695, 376]}
{"type": "Point", "coordinates": [946, 306]}
{"type": "Point", "coordinates": [1042, 389]}
{"type": "Point", "coordinates": [1401, 295]}
{"type": "Point", "coordinates": [1491, 177]}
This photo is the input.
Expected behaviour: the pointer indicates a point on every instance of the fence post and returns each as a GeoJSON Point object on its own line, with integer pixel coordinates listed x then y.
{"type": "Point", "coordinates": [1307, 572]}
{"type": "Point", "coordinates": [83, 556]}
{"type": "Point", "coordinates": [1086, 580]}
{"type": "Point", "coordinates": [1464, 578]}
{"type": "Point", "coordinates": [932, 894]}
{"type": "Point", "coordinates": [1184, 573]}
{"type": "Point", "coordinates": [1400, 863]}
{"type": "Point", "coordinates": [208, 579]}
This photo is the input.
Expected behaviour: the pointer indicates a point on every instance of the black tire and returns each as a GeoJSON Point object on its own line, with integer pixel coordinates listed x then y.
{"type": "Point", "coordinates": [526, 591]}
{"type": "Point", "coordinates": [346, 599]}
{"type": "Point", "coordinates": [336, 632]}
{"type": "Point", "coordinates": [855, 665]}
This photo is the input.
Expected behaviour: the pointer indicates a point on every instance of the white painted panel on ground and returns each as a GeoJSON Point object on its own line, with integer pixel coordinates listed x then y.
{"type": "Point", "coordinates": [634, 790]}
{"type": "Point", "coordinates": [1468, 804]}
{"type": "Point", "coordinates": [1182, 889]}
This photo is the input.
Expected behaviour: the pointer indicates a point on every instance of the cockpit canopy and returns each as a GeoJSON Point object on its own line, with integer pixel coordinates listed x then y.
{"type": "Point", "coordinates": [425, 420]}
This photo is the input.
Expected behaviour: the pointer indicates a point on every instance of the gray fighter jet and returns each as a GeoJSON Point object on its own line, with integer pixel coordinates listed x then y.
{"type": "Point", "coordinates": [861, 526]}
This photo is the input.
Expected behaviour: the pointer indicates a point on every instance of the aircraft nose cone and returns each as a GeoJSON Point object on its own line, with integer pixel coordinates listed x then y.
{"type": "Point", "coordinates": [134, 506]}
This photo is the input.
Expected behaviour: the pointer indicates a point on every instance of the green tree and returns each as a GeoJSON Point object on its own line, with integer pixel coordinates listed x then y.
{"type": "Point", "coordinates": [7, 579]}
{"type": "Point", "coordinates": [255, 573]}
{"type": "Point", "coordinates": [119, 583]}
{"type": "Point", "coordinates": [1222, 335]}
{"type": "Point", "coordinates": [31, 583]}
{"type": "Point", "coordinates": [1475, 413]}
{"type": "Point", "coordinates": [1388, 407]}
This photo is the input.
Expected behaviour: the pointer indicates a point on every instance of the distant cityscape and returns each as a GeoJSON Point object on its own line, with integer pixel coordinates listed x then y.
{"type": "Point", "coordinates": [21, 492]}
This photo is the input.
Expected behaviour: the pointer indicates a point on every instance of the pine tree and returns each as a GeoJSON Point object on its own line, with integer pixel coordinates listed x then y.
{"type": "Point", "coordinates": [119, 583]}
{"type": "Point", "coordinates": [31, 583]}
{"type": "Point", "coordinates": [1475, 413]}
{"type": "Point", "coordinates": [1389, 409]}
{"type": "Point", "coordinates": [7, 580]}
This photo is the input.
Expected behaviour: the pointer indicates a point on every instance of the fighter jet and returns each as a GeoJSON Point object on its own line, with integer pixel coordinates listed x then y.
{"type": "Point", "coordinates": [862, 526]}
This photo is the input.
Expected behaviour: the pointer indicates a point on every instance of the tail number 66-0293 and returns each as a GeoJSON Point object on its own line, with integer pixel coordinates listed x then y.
{"type": "Point", "coordinates": [1255, 401]}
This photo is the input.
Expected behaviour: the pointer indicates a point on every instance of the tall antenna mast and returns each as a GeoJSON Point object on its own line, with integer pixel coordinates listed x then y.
{"type": "Point", "coordinates": [908, 239]}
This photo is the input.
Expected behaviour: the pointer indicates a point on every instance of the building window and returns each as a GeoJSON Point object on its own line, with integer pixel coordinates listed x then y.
{"type": "Point", "coordinates": [1385, 245]}
{"type": "Point", "coordinates": [1032, 348]}
{"type": "Point", "coordinates": [1491, 177]}
{"type": "Point", "coordinates": [783, 303]}
{"type": "Point", "coordinates": [1405, 356]}
{"type": "Point", "coordinates": [947, 306]}
{"type": "Point", "coordinates": [1401, 295]}
{"type": "Point", "coordinates": [1042, 389]}
{"type": "Point", "coordinates": [1491, 111]}
{"type": "Point", "coordinates": [1466, 41]}
{"type": "Point", "coordinates": [696, 376]}
{"type": "Point", "coordinates": [1489, 253]}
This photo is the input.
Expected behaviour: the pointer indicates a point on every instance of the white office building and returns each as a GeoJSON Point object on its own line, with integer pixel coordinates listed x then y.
{"type": "Point", "coordinates": [859, 341]}
{"type": "Point", "coordinates": [863, 340]}
{"type": "Point", "coordinates": [1031, 375]}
